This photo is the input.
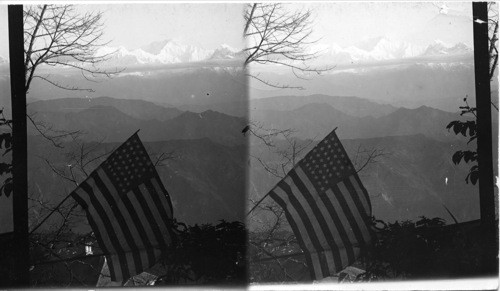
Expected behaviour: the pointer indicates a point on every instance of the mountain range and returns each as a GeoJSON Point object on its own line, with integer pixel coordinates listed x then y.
{"type": "Point", "coordinates": [169, 51]}
{"type": "Point", "coordinates": [379, 49]}
{"type": "Point", "coordinates": [415, 176]}
{"type": "Point", "coordinates": [135, 108]}
{"type": "Point", "coordinates": [441, 86]}
{"type": "Point", "coordinates": [311, 117]}
{"type": "Point", "coordinates": [112, 125]}
{"type": "Point", "coordinates": [315, 120]}
{"type": "Point", "coordinates": [383, 49]}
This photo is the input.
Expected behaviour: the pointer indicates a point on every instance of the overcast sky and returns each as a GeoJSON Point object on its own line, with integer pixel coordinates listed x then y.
{"type": "Point", "coordinates": [209, 25]}
{"type": "Point", "coordinates": [347, 23]}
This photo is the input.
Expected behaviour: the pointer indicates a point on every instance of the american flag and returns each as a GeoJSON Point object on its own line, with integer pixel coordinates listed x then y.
{"type": "Point", "coordinates": [128, 209]}
{"type": "Point", "coordinates": [327, 207]}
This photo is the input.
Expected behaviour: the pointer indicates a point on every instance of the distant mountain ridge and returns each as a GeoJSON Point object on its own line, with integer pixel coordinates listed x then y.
{"type": "Point", "coordinates": [315, 120]}
{"type": "Point", "coordinates": [351, 105]}
{"type": "Point", "coordinates": [438, 85]}
{"type": "Point", "coordinates": [134, 107]}
{"type": "Point", "coordinates": [310, 116]}
{"type": "Point", "coordinates": [113, 125]}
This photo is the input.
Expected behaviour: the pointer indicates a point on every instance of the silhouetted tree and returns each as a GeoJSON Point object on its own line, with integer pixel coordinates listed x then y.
{"type": "Point", "coordinates": [276, 35]}
{"type": "Point", "coordinates": [59, 36]}
{"type": "Point", "coordinates": [468, 128]}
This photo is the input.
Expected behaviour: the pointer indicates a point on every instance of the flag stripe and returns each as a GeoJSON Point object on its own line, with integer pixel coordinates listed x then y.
{"type": "Point", "coordinates": [149, 216]}
{"type": "Point", "coordinates": [160, 203]}
{"type": "Point", "coordinates": [156, 214]}
{"type": "Point", "coordinates": [140, 228]}
{"type": "Point", "coordinates": [124, 234]}
{"type": "Point", "coordinates": [132, 259]}
{"type": "Point", "coordinates": [128, 209]}
{"type": "Point", "coordinates": [160, 198]}
{"type": "Point", "coordinates": [279, 195]}
{"type": "Point", "coordinates": [100, 227]}
{"type": "Point", "coordinates": [338, 232]}
{"type": "Point", "coordinates": [330, 199]}
{"type": "Point", "coordinates": [116, 237]}
{"type": "Point", "coordinates": [109, 234]}
{"type": "Point", "coordinates": [137, 235]}
{"type": "Point", "coordinates": [311, 240]}
{"type": "Point", "coordinates": [361, 189]}
{"type": "Point", "coordinates": [317, 265]}
{"type": "Point", "coordinates": [161, 189]}
{"type": "Point", "coordinates": [310, 227]}
{"type": "Point", "coordinates": [94, 227]}
{"type": "Point", "coordinates": [114, 262]}
{"type": "Point", "coordinates": [327, 239]}
{"type": "Point", "coordinates": [143, 219]}
{"type": "Point", "coordinates": [359, 222]}
{"type": "Point", "coordinates": [307, 209]}
{"type": "Point", "coordinates": [108, 212]}
{"type": "Point", "coordinates": [164, 191]}
{"type": "Point", "coordinates": [357, 196]}
{"type": "Point", "coordinates": [327, 207]}
{"type": "Point", "coordinates": [297, 228]}
{"type": "Point", "coordinates": [339, 227]}
{"type": "Point", "coordinates": [351, 222]}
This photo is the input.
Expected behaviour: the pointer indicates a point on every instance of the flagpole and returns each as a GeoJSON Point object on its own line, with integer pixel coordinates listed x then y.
{"type": "Point", "coordinates": [257, 204]}
{"type": "Point", "coordinates": [60, 203]}
{"type": "Point", "coordinates": [261, 199]}
{"type": "Point", "coordinates": [52, 212]}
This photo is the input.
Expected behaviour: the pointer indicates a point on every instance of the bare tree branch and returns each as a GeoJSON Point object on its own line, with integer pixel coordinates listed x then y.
{"type": "Point", "coordinates": [57, 35]}
{"type": "Point", "coordinates": [366, 156]}
{"type": "Point", "coordinates": [278, 36]}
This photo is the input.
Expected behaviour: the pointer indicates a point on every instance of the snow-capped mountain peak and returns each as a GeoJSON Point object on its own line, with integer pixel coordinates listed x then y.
{"type": "Point", "coordinates": [229, 48]}
{"type": "Point", "coordinates": [168, 51]}
{"type": "Point", "coordinates": [441, 48]}
{"type": "Point", "coordinates": [226, 52]}
{"type": "Point", "coordinates": [383, 49]}
{"type": "Point", "coordinates": [155, 48]}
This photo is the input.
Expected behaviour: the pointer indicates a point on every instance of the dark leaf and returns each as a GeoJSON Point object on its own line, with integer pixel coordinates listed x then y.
{"type": "Point", "coordinates": [452, 124]}
{"type": "Point", "coordinates": [469, 156]}
{"type": "Point", "coordinates": [5, 138]}
{"type": "Point", "coordinates": [5, 168]}
{"type": "Point", "coordinates": [457, 157]}
{"type": "Point", "coordinates": [473, 175]}
{"type": "Point", "coordinates": [6, 187]}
